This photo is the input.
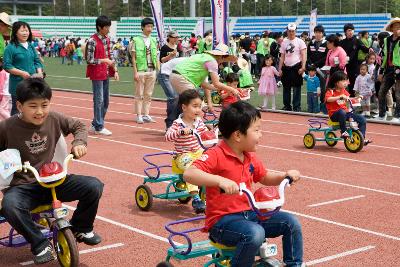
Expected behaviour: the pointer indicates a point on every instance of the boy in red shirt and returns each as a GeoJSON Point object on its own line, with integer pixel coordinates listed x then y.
{"type": "Point", "coordinates": [229, 218]}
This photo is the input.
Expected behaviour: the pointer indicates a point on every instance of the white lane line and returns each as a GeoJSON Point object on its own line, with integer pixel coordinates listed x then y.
{"type": "Point", "coordinates": [272, 121]}
{"type": "Point", "coordinates": [332, 157]}
{"type": "Point", "coordinates": [340, 255]}
{"type": "Point", "coordinates": [335, 201]}
{"type": "Point", "coordinates": [128, 227]}
{"type": "Point", "coordinates": [344, 184]}
{"type": "Point", "coordinates": [83, 252]}
{"type": "Point", "coordinates": [264, 146]}
{"type": "Point", "coordinates": [296, 213]}
{"type": "Point", "coordinates": [303, 176]}
{"type": "Point", "coordinates": [359, 229]}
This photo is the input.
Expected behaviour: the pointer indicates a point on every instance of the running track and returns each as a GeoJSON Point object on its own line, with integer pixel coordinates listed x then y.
{"type": "Point", "coordinates": [348, 204]}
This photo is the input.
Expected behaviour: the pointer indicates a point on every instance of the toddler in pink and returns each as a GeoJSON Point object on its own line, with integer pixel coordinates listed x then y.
{"type": "Point", "coordinates": [267, 83]}
{"type": "Point", "coordinates": [5, 98]}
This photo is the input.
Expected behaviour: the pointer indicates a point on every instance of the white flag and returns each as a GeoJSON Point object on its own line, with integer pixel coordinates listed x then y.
{"type": "Point", "coordinates": [270, 1]}
{"type": "Point", "coordinates": [219, 12]}
{"type": "Point", "coordinates": [69, 3]}
{"type": "Point", "coordinates": [313, 21]}
{"type": "Point", "coordinates": [298, 1]}
{"type": "Point", "coordinates": [199, 29]}
{"type": "Point", "coordinates": [156, 8]}
{"type": "Point", "coordinates": [125, 1]}
{"type": "Point", "coordinates": [242, 1]}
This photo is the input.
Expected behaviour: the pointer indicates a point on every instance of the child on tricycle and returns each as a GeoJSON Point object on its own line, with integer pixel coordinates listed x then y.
{"type": "Point", "coordinates": [230, 220]}
{"type": "Point", "coordinates": [336, 98]}
{"type": "Point", "coordinates": [38, 134]}
{"type": "Point", "coordinates": [187, 147]}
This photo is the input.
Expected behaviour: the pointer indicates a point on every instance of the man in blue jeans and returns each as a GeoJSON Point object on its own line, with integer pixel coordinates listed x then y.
{"type": "Point", "coordinates": [101, 65]}
{"type": "Point", "coordinates": [170, 93]}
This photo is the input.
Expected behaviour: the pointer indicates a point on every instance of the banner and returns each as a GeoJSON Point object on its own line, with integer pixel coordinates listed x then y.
{"type": "Point", "coordinates": [125, 1]}
{"type": "Point", "coordinates": [199, 29]}
{"type": "Point", "coordinates": [313, 21]}
{"type": "Point", "coordinates": [219, 11]}
{"type": "Point", "coordinates": [156, 9]}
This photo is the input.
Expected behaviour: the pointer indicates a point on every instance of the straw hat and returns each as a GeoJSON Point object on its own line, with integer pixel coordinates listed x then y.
{"type": "Point", "coordinates": [222, 50]}
{"type": "Point", "coordinates": [242, 63]}
{"type": "Point", "coordinates": [391, 22]}
{"type": "Point", "coordinates": [5, 18]}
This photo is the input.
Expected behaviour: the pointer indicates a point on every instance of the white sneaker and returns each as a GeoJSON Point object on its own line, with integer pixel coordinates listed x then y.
{"type": "Point", "coordinates": [147, 118]}
{"type": "Point", "coordinates": [381, 118]}
{"type": "Point", "coordinates": [104, 131]}
{"type": "Point", "coordinates": [395, 120]}
{"type": "Point", "coordinates": [139, 119]}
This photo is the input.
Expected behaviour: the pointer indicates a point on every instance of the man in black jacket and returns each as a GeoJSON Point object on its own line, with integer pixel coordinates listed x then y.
{"type": "Point", "coordinates": [316, 55]}
{"type": "Point", "coordinates": [352, 45]}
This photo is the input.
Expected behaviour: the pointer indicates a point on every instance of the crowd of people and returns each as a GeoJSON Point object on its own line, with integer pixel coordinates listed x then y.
{"type": "Point", "coordinates": [334, 67]}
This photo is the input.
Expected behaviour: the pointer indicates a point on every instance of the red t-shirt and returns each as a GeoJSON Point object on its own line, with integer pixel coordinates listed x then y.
{"type": "Point", "coordinates": [221, 160]}
{"type": "Point", "coordinates": [338, 104]}
{"type": "Point", "coordinates": [193, 42]}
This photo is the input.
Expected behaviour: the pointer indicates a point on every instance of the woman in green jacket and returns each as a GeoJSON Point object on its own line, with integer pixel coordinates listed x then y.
{"type": "Point", "coordinates": [21, 59]}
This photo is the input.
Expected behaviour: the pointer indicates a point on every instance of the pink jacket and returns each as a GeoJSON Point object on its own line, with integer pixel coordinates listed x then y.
{"type": "Point", "coordinates": [338, 52]}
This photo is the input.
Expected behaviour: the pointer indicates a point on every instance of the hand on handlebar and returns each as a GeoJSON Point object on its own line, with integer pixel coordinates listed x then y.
{"type": "Point", "coordinates": [186, 131]}
{"type": "Point", "coordinates": [294, 174]}
{"type": "Point", "coordinates": [79, 151]}
{"type": "Point", "coordinates": [228, 186]}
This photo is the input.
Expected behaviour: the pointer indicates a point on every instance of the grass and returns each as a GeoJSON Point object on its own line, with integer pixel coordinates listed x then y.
{"type": "Point", "coordinates": [73, 77]}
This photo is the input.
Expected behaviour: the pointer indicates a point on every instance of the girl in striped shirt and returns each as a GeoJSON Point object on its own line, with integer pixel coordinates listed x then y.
{"type": "Point", "coordinates": [187, 147]}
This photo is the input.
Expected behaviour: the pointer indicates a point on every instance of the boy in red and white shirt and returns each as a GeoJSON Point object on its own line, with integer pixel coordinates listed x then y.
{"type": "Point", "coordinates": [187, 146]}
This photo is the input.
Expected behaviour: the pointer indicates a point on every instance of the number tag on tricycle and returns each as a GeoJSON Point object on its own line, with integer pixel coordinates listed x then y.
{"type": "Point", "coordinates": [268, 250]}
{"type": "Point", "coordinates": [60, 213]}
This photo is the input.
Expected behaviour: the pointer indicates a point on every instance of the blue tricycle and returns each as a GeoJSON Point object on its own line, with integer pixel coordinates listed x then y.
{"type": "Point", "coordinates": [220, 254]}
{"type": "Point", "coordinates": [175, 185]}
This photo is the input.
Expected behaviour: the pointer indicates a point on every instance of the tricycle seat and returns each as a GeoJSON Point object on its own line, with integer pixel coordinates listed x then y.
{"type": "Point", "coordinates": [199, 249]}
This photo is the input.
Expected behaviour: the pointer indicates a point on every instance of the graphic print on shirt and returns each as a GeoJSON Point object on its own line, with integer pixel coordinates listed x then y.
{"type": "Point", "coordinates": [290, 48]}
{"type": "Point", "coordinates": [37, 144]}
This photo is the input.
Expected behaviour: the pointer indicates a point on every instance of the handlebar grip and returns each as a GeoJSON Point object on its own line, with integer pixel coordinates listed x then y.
{"type": "Point", "coordinates": [289, 178]}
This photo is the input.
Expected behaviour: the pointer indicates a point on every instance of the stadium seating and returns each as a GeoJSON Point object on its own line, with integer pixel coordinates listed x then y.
{"type": "Point", "coordinates": [373, 23]}
{"type": "Point", "coordinates": [127, 27]}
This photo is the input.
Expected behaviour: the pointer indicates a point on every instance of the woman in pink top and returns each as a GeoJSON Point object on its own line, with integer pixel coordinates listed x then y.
{"type": "Point", "coordinates": [337, 57]}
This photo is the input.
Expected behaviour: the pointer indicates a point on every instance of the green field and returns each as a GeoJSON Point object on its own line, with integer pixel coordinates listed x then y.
{"type": "Point", "coordinates": [73, 77]}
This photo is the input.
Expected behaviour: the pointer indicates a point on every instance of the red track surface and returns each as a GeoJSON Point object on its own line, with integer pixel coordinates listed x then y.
{"type": "Point", "coordinates": [369, 223]}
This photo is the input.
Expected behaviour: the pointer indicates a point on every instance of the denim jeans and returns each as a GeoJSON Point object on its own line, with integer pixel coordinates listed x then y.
{"type": "Point", "coordinates": [19, 200]}
{"type": "Point", "coordinates": [312, 102]}
{"type": "Point", "coordinates": [388, 81]}
{"type": "Point", "coordinates": [101, 96]}
{"type": "Point", "coordinates": [14, 109]}
{"type": "Point", "coordinates": [296, 98]}
{"type": "Point", "coordinates": [245, 231]}
{"type": "Point", "coordinates": [341, 116]}
{"type": "Point", "coordinates": [172, 99]}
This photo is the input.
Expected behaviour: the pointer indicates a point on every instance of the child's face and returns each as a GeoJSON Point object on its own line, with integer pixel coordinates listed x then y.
{"type": "Point", "coordinates": [192, 110]}
{"type": "Point", "coordinates": [268, 62]}
{"type": "Point", "coordinates": [371, 60]}
{"type": "Point", "coordinates": [363, 70]}
{"type": "Point", "coordinates": [34, 111]}
{"type": "Point", "coordinates": [233, 84]}
{"type": "Point", "coordinates": [311, 73]}
{"type": "Point", "coordinates": [249, 141]}
{"type": "Point", "coordinates": [341, 84]}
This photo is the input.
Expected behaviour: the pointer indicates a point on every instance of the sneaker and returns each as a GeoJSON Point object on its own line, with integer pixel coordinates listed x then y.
{"type": "Point", "coordinates": [345, 135]}
{"type": "Point", "coordinates": [147, 118]}
{"type": "Point", "coordinates": [367, 141]}
{"type": "Point", "coordinates": [104, 131]}
{"type": "Point", "coordinates": [45, 255]}
{"type": "Point", "coordinates": [379, 118]}
{"type": "Point", "coordinates": [90, 238]}
{"type": "Point", "coordinates": [139, 119]}
{"type": "Point", "coordinates": [198, 206]}
{"type": "Point", "coordinates": [395, 119]}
